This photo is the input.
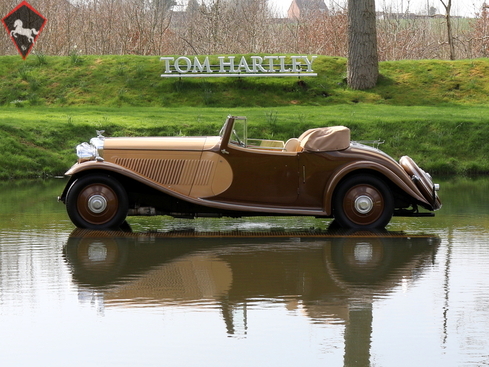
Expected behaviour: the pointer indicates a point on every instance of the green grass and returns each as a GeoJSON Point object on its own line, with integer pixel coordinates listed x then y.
{"type": "Point", "coordinates": [434, 111]}
{"type": "Point", "coordinates": [40, 141]}
{"type": "Point", "coordinates": [118, 81]}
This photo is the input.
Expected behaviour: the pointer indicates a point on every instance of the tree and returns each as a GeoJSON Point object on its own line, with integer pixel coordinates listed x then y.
{"type": "Point", "coordinates": [481, 32]}
{"type": "Point", "coordinates": [363, 60]}
{"type": "Point", "coordinates": [447, 4]}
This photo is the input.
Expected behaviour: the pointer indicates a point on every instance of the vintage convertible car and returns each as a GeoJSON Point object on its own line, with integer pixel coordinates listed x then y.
{"type": "Point", "coordinates": [322, 174]}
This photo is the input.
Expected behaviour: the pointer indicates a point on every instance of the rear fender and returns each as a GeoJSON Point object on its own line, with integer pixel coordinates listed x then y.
{"type": "Point", "coordinates": [396, 175]}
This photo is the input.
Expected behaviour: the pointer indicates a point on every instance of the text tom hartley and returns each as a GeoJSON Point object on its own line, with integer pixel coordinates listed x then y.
{"type": "Point", "coordinates": [229, 66]}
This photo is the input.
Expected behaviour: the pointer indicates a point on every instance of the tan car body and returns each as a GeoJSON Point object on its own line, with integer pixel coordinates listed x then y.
{"type": "Point", "coordinates": [253, 177]}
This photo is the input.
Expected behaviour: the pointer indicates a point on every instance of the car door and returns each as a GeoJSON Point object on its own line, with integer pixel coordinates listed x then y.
{"type": "Point", "coordinates": [260, 177]}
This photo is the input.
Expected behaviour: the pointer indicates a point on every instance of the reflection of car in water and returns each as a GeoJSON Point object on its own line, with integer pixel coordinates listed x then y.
{"type": "Point", "coordinates": [331, 277]}
{"type": "Point", "coordinates": [322, 272]}
{"type": "Point", "coordinates": [321, 174]}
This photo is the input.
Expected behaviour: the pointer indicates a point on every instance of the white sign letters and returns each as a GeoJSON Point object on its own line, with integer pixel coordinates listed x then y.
{"type": "Point", "coordinates": [229, 66]}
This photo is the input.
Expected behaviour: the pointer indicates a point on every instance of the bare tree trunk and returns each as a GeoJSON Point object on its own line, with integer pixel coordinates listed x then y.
{"type": "Point", "coordinates": [447, 4]}
{"type": "Point", "coordinates": [363, 62]}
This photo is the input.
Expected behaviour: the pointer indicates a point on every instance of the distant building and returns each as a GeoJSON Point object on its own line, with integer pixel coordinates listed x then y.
{"type": "Point", "coordinates": [302, 8]}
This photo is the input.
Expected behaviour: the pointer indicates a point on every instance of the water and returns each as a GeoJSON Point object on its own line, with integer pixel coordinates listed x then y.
{"type": "Point", "coordinates": [417, 295]}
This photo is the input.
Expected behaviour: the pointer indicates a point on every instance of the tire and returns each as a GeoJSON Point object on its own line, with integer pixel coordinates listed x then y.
{"type": "Point", "coordinates": [97, 202]}
{"type": "Point", "coordinates": [362, 260]}
{"type": "Point", "coordinates": [96, 259]}
{"type": "Point", "coordinates": [363, 202]}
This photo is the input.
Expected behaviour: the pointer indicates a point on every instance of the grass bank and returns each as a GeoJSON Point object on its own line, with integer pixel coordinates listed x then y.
{"type": "Point", "coordinates": [119, 81]}
{"type": "Point", "coordinates": [40, 141]}
{"type": "Point", "coordinates": [435, 111]}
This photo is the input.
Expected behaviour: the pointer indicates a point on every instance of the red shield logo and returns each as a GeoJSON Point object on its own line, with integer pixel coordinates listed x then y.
{"type": "Point", "coordinates": [24, 24]}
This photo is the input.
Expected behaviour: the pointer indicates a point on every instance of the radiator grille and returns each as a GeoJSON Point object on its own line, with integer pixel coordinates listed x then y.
{"type": "Point", "coordinates": [171, 171]}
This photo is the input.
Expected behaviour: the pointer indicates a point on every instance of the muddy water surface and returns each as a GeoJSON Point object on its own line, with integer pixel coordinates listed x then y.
{"type": "Point", "coordinates": [416, 295]}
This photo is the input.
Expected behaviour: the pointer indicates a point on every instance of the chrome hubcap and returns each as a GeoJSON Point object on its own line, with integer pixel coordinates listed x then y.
{"type": "Point", "coordinates": [363, 204]}
{"type": "Point", "coordinates": [97, 204]}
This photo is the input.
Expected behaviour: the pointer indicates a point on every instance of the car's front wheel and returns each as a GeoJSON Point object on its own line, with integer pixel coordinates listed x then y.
{"type": "Point", "coordinates": [363, 202]}
{"type": "Point", "coordinates": [97, 202]}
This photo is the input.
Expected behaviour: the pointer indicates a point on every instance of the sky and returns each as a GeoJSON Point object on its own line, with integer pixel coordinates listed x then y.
{"type": "Point", "coordinates": [459, 7]}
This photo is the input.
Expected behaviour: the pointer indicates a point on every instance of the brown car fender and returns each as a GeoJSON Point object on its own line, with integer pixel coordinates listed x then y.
{"type": "Point", "coordinates": [396, 175]}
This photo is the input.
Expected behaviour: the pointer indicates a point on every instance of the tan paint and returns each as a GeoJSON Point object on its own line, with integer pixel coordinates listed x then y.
{"type": "Point", "coordinates": [195, 174]}
{"type": "Point", "coordinates": [161, 143]}
{"type": "Point", "coordinates": [219, 178]}
{"type": "Point", "coordinates": [111, 167]}
{"type": "Point", "coordinates": [326, 139]}
{"type": "Point", "coordinates": [189, 278]}
{"type": "Point", "coordinates": [191, 173]}
{"type": "Point", "coordinates": [174, 163]}
{"type": "Point", "coordinates": [174, 170]}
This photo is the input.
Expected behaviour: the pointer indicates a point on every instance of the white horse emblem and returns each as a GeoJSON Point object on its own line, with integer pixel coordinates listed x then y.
{"type": "Point", "coordinates": [19, 29]}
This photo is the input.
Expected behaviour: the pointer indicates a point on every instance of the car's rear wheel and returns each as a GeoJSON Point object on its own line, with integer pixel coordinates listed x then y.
{"type": "Point", "coordinates": [97, 202]}
{"type": "Point", "coordinates": [363, 202]}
